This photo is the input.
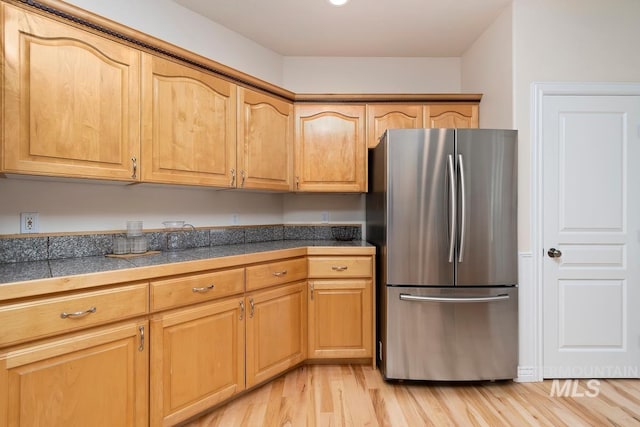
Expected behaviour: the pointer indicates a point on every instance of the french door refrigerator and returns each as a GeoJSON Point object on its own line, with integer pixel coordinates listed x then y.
{"type": "Point", "coordinates": [441, 210]}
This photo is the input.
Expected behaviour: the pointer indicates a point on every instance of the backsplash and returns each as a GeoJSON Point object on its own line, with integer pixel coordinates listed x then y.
{"type": "Point", "coordinates": [21, 249]}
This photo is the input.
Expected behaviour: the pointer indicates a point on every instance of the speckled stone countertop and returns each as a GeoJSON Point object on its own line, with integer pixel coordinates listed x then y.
{"type": "Point", "coordinates": [58, 268]}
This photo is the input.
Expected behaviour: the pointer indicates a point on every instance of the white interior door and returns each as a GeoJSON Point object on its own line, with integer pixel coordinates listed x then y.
{"type": "Point", "coordinates": [591, 185]}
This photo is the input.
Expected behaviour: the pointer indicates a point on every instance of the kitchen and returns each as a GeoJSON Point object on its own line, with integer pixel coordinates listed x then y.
{"type": "Point", "coordinates": [500, 65]}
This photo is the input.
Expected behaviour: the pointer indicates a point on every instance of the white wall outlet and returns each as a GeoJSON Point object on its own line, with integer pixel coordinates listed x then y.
{"type": "Point", "coordinates": [29, 222]}
{"type": "Point", "coordinates": [325, 216]}
{"type": "Point", "coordinates": [235, 219]}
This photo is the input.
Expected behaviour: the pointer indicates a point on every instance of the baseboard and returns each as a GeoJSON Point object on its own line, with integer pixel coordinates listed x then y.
{"type": "Point", "coordinates": [527, 374]}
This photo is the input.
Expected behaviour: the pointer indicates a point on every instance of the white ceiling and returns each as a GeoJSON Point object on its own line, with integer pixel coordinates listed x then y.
{"type": "Point", "coordinates": [378, 28]}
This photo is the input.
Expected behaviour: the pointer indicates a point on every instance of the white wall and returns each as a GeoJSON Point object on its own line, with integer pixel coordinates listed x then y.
{"type": "Point", "coordinates": [309, 208]}
{"type": "Point", "coordinates": [487, 68]}
{"type": "Point", "coordinates": [573, 41]}
{"type": "Point", "coordinates": [81, 206]}
{"type": "Point", "coordinates": [371, 75]}
{"type": "Point", "coordinates": [176, 24]}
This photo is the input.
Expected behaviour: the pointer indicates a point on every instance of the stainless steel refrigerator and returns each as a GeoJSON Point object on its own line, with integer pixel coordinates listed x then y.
{"type": "Point", "coordinates": [441, 210]}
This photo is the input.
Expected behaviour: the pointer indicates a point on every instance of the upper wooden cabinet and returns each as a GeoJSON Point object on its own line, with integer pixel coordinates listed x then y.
{"type": "Point", "coordinates": [330, 148]}
{"type": "Point", "coordinates": [265, 141]}
{"type": "Point", "coordinates": [381, 117]}
{"type": "Point", "coordinates": [188, 125]}
{"type": "Point", "coordinates": [70, 101]}
{"type": "Point", "coordinates": [407, 116]}
{"type": "Point", "coordinates": [78, 101]}
{"type": "Point", "coordinates": [451, 116]}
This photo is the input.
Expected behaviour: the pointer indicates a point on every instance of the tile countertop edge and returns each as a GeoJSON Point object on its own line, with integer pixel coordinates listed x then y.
{"type": "Point", "coordinates": [51, 285]}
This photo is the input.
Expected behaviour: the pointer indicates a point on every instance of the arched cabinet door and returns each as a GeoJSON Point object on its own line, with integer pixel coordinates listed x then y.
{"type": "Point", "coordinates": [330, 148]}
{"type": "Point", "coordinates": [381, 117]}
{"type": "Point", "coordinates": [71, 101]}
{"type": "Point", "coordinates": [265, 141]}
{"type": "Point", "coordinates": [451, 116]}
{"type": "Point", "coordinates": [188, 125]}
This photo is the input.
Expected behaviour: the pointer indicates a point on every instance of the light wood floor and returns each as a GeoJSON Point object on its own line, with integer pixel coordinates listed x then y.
{"type": "Point", "coordinates": [325, 395]}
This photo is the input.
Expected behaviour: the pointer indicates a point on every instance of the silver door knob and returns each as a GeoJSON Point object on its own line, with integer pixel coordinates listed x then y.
{"type": "Point", "coordinates": [554, 253]}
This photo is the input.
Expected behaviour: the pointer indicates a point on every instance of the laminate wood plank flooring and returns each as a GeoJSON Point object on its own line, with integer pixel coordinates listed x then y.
{"type": "Point", "coordinates": [356, 395]}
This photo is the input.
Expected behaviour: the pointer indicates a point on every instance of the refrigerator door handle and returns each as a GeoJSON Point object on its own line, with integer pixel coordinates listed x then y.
{"type": "Point", "coordinates": [409, 297]}
{"type": "Point", "coordinates": [463, 208]}
{"type": "Point", "coordinates": [452, 212]}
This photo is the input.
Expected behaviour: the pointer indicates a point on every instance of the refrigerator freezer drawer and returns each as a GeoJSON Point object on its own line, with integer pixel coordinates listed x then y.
{"type": "Point", "coordinates": [451, 334]}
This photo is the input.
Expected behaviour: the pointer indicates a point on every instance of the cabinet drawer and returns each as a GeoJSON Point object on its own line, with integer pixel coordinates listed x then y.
{"type": "Point", "coordinates": [48, 316]}
{"type": "Point", "coordinates": [274, 273]}
{"type": "Point", "coordinates": [196, 288]}
{"type": "Point", "coordinates": [340, 266]}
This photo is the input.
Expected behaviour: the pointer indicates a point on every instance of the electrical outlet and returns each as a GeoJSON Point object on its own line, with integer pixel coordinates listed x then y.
{"type": "Point", "coordinates": [235, 219]}
{"type": "Point", "coordinates": [325, 216]}
{"type": "Point", "coordinates": [29, 222]}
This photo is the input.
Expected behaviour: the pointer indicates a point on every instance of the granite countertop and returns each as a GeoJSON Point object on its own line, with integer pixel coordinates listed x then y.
{"type": "Point", "coordinates": [35, 270]}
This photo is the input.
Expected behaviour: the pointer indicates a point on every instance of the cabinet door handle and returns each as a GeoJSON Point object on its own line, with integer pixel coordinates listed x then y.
{"type": "Point", "coordinates": [339, 267]}
{"type": "Point", "coordinates": [243, 177]}
{"type": "Point", "coordinates": [203, 289]}
{"type": "Point", "coordinates": [77, 314]}
{"type": "Point", "coordinates": [311, 285]}
{"type": "Point", "coordinates": [297, 182]}
{"type": "Point", "coordinates": [141, 347]}
{"type": "Point", "coordinates": [280, 273]}
{"type": "Point", "coordinates": [253, 307]}
{"type": "Point", "coordinates": [241, 310]}
{"type": "Point", "coordinates": [233, 178]}
{"type": "Point", "coordinates": [134, 161]}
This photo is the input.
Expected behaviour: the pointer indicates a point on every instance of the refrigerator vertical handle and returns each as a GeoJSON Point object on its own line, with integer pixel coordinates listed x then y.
{"type": "Point", "coordinates": [463, 207]}
{"type": "Point", "coordinates": [452, 211]}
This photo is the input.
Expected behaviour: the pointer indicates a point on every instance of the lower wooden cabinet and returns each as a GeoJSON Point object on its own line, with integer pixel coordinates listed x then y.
{"type": "Point", "coordinates": [204, 338]}
{"type": "Point", "coordinates": [98, 377]}
{"type": "Point", "coordinates": [340, 319]}
{"type": "Point", "coordinates": [197, 359]}
{"type": "Point", "coordinates": [276, 331]}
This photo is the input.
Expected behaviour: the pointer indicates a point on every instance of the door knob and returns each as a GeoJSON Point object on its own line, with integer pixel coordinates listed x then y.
{"type": "Point", "coordinates": [554, 253]}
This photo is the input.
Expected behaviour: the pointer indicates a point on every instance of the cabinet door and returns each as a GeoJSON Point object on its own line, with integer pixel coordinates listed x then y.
{"type": "Point", "coordinates": [451, 116]}
{"type": "Point", "coordinates": [276, 331]}
{"type": "Point", "coordinates": [330, 148]}
{"type": "Point", "coordinates": [70, 102]}
{"type": "Point", "coordinates": [265, 141]}
{"type": "Point", "coordinates": [340, 319]}
{"type": "Point", "coordinates": [97, 378]}
{"type": "Point", "coordinates": [188, 125]}
{"type": "Point", "coordinates": [381, 117]}
{"type": "Point", "coordinates": [197, 355]}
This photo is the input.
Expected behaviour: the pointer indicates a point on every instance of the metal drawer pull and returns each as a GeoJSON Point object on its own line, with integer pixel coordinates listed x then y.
{"type": "Point", "coordinates": [280, 273]}
{"type": "Point", "coordinates": [407, 297]}
{"type": "Point", "coordinates": [241, 310]}
{"type": "Point", "coordinates": [253, 308]}
{"type": "Point", "coordinates": [233, 178]}
{"type": "Point", "coordinates": [202, 290]}
{"type": "Point", "coordinates": [77, 314]}
{"type": "Point", "coordinates": [339, 267]}
{"type": "Point", "coordinates": [141, 347]}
